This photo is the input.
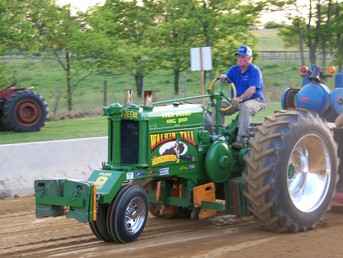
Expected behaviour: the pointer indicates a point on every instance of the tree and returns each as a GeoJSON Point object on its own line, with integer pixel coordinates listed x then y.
{"type": "Point", "coordinates": [294, 35]}
{"type": "Point", "coordinates": [316, 30]}
{"type": "Point", "coordinates": [45, 27]}
{"type": "Point", "coordinates": [224, 25]}
{"type": "Point", "coordinates": [337, 31]}
{"type": "Point", "coordinates": [150, 34]}
{"type": "Point", "coordinates": [273, 25]}
{"type": "Point", "coordinates": [177, 32]}
{"type": "Point", "coordinates": [9, 20]}
{"type": "Point", "coordinates": [128, 25]}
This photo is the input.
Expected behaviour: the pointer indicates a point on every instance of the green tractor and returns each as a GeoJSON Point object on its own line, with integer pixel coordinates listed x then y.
{"type": "Point", "coordinates": [175, 158]}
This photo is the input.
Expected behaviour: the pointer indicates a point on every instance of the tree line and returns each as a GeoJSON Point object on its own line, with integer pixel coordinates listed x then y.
{"type": "Point", "coordinates": [317, 26]}
{"type": "Point", "coordinates": [134, 37]}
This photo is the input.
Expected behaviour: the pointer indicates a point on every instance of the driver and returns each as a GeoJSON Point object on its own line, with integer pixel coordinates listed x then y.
{"type": "Point", "coordinates": [248, 82]}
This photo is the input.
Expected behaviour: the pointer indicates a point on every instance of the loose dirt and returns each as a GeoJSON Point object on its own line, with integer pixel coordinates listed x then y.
{"type": "Point", "coordinates": [22, 235]}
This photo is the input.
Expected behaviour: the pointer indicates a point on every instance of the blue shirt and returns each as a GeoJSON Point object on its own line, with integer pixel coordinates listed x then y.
{"type": "Point", "coordinates": [242, 81]}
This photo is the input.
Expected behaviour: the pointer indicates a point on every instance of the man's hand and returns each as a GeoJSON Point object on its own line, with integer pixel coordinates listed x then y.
{"type": "Point", "coordinates": [247, 94]}
{"type": "Point", "coordinates": [237, 100]}
{"type": "Point", "coordinates": [223, 77]}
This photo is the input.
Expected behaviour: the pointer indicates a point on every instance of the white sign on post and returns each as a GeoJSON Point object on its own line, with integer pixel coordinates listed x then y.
{"type": "Point", "coordinates": [201, 59]}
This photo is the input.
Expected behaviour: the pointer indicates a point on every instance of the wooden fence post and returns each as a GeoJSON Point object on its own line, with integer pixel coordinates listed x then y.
{"type": "Point", "coordinates": [105, 91]}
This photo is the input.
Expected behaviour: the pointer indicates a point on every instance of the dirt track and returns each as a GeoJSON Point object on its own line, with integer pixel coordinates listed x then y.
{"type": "Point", "coordinates": [21, 235]}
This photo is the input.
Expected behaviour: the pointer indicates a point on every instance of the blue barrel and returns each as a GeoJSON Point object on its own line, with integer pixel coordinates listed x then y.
{"type": "Point", "coordinates": [314, 97]}
{"type": "Point", "coordinates": [336, 100]}
{"type": "Point", "coordinates": [339, 80]}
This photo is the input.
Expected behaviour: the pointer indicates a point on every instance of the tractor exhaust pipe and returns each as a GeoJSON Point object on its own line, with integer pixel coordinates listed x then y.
{"type": "Point", "coordinates": [148, 98]}
{"type": "Point", "coordinates": [129, 97]}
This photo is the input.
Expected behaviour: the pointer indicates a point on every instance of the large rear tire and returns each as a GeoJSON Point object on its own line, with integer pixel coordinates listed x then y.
{"type": "Point", "coordinates": [291, 171]}
{"type": "Point", "coordinates": [25, 111]}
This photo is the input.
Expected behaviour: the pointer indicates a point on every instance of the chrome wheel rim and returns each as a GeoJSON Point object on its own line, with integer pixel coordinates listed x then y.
{"type": "Point", "coordinates": [135, 215]}
{"type": "Point", "coordinates": [309, 173]}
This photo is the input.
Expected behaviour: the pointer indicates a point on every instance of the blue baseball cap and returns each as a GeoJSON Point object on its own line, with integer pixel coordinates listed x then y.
{"type": "Point", "coordinates": [244, 50]}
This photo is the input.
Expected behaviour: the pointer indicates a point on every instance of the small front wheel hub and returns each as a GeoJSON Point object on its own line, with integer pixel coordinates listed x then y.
{"type": "Point", "coordinates": [135, 214]}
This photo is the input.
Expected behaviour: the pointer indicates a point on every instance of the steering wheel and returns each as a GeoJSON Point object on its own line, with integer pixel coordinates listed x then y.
{"type": "Point", "coordinates": [227, 91]}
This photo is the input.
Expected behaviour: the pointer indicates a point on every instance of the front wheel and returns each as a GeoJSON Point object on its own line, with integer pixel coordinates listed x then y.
{"type": "Point", "coordinates": [128, 214]}
{"type": "Point", "coordinates": [291, 171]}
{"type": "Point", "coordinates": [99, 227]}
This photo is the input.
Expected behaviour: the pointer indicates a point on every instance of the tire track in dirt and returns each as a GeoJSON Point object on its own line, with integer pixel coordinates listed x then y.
{"type": "Point", "coordinates": [148, 240]}
{"type": "Point", "coordinates": [22, 235]}
{"type": "Point", "coordinates": [27, 236]}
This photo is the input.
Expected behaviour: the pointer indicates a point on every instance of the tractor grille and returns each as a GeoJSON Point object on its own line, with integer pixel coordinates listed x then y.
{"type": "Point", "coordinates": [129, 142]}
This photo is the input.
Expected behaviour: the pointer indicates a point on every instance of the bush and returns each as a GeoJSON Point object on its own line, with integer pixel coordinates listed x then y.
{"type": "Point", "coordinates": [273, 25]}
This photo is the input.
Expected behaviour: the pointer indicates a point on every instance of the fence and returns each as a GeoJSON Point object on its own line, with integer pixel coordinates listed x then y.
{"type": "Point", "coordinates": [290, 56]}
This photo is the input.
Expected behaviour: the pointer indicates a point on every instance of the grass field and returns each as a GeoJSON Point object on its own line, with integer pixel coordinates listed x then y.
{"type": "Point", "coordinates": [62, 129]}
{"type": "Point", "coordinates": [269, 40]}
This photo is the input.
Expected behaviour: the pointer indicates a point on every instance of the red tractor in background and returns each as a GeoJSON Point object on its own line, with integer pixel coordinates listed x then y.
{"type": "Point", "coordinates": [22, 110]}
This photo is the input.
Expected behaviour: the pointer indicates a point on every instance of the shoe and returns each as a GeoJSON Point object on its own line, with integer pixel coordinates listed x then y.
{"type": "Point", "coordinates": [237, 145]}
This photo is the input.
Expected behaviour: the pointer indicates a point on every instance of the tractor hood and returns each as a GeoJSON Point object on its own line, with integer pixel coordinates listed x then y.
{"type": "Point", "coordinates": [174, 116]}
{"type": "Point", "coordinates": [160, 117]}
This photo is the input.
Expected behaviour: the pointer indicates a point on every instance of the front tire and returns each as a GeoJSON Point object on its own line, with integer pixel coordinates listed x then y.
{"type": "Point", "coordinates": [128, 214]}
{"type": "Point", "coordinates": [291, 171]}
{"type": "Point", "coordinates": [99, 227]}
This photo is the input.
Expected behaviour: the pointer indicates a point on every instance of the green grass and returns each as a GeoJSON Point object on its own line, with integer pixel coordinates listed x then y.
{"type": "Point", "coordinates": [269, 40]}
{"type": "Point", "coordinates": [63, 129]}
